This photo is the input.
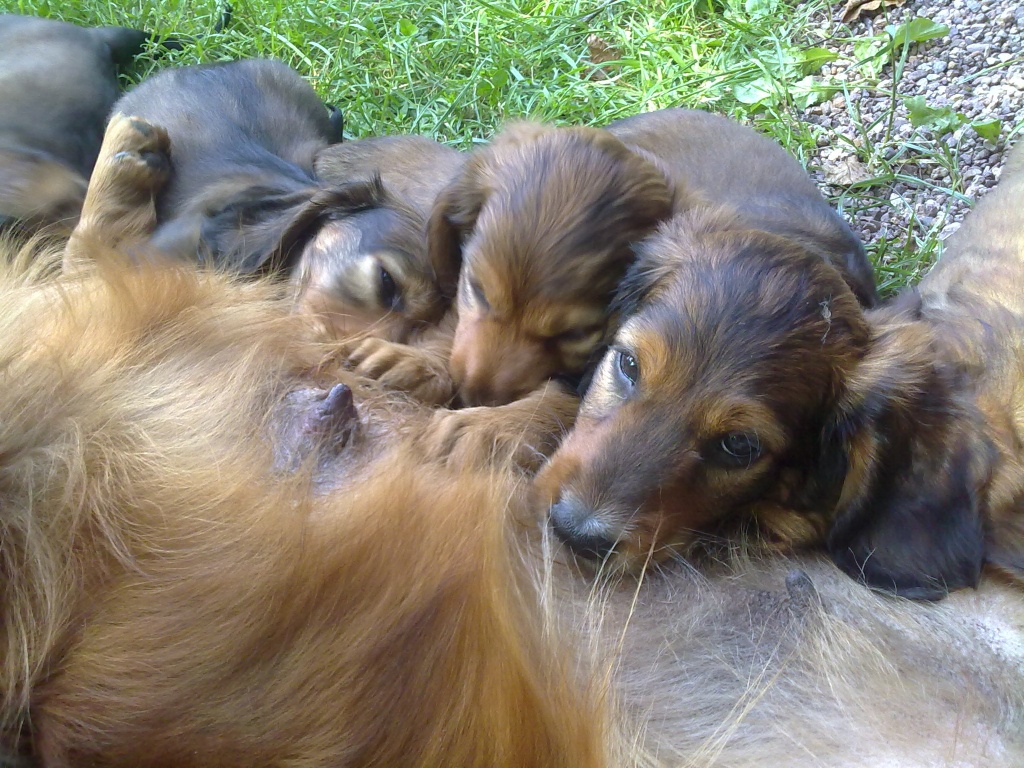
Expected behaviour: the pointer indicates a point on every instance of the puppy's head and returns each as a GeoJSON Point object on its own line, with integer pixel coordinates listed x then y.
{"type": "Point", "coordinates": [365, 269]}
{"type": "Point", "coordinates": [356, 254]}
{"type": "Point", "coordinates": [542, 222]}
{"type": "Point", "coordinates": [369, 270]}
{"type": "Point", "coordinates": [708, 407]}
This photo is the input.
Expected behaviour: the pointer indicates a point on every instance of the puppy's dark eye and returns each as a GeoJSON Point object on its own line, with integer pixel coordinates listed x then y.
{"type": "Point", "coordinates": [628, 366]}
{"type": "Point", "coordinates": [388, 291]}
{"type": "Point", "coordinates": [739, 448]}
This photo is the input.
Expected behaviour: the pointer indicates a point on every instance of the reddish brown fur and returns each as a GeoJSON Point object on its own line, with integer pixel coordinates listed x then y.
{"type": "Point", "coordinates": [548, 216]}
{"type": "Point", "coordinates": [133, 455]}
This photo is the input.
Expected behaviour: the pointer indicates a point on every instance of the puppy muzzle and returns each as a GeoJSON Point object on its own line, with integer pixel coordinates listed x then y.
{"type": "Point", "coordinates": [576, 526]}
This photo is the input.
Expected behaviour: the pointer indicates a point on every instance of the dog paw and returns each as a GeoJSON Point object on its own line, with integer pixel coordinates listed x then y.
{"type": "Point", "coordinates": [136, 153]}
{"type": "Point", "coordinates": [523, 433]}
{"type": "Point", "coordinates": [402, 368]}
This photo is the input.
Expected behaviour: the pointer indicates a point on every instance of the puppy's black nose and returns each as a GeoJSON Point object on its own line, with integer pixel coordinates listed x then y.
{"type": "Point", "coordinates": [568, 519]}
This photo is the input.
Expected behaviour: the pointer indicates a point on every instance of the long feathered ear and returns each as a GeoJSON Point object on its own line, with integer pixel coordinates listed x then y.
{"type": "Point", "coordinates": [452, 219]}
{"type": "Point", "coordinates": [458, 205]}
{"type": "Point", "coordinates": [262, 230]}
{"type": "Point", "coordinates": [915, 468]}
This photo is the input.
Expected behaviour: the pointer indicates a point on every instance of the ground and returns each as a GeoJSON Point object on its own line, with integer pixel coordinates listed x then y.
{"type": "Point", "coordinates": [902, 114]}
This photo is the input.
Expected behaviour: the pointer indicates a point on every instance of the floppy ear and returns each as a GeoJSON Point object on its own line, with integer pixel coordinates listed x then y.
{"type": "Point", "coordinates": [123, 43]}
{"type": "Point", "coordinates": [453, 217]}
{"type": "Point", "coordinates": [915, 469]}
{"type": "Point", "coordinates": [262, 230]}
{"type": "Point", "coordinates": [458, 205]}
{"type": "Point", "coordinates": [647, 194]}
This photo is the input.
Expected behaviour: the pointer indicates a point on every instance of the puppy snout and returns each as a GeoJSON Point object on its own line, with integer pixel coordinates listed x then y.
{"type": "Point", "coordinates": [574, 524]}
{"type": "Point", "coordinates": [495, 378]}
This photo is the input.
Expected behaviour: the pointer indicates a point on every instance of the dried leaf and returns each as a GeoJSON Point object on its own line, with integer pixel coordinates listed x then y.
{"type": "Point", "coordinates": [845, 171]}
{"type": "Point", "coordinates": [856, 8]}
{"type": "Point", "coordinates": [601, 51]}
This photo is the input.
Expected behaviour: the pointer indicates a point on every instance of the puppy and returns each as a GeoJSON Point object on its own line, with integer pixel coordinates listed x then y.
{"type": "Point", "coordinates": [246, 136]}
{"type": "Point", "coordinates": [215, 554]}
{"type": "Point", "coordinates": [749, 390]}
{"type": "Point", "coordinates": [369, 270]}
{"type": "Point", "coordinates": [58, 82]}
{"type": "Point", "coordinates": [545, 220]}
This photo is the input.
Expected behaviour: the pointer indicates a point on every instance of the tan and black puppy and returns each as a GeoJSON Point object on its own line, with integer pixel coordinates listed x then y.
{"type": "Point", "coordinates": [368, 269]}
{"type": "Point", "coordinates": [57, 84]}
{"type": "Point", "coordinates": [545, 220]}
{"type": "Point", "coordinates": [244, 135]}
{"type": "Point", "coordinates": [748, 390]}
{"type": "Point", "coordinates": [259, 186]}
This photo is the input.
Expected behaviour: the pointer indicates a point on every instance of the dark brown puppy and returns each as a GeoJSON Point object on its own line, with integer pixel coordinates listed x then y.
{"type": "Point", "coordinates": [245, 139]}
{"type": "Point", "coordinates": [545, 219]}
{"type": "Point", "coordinates": [244, 136]}
{"type": "Point", "coordinates": [748, 388]}
{"type": "Point", "coordinates": [57, 84]}
{"type": "Point", "coordinates": [369, 270]}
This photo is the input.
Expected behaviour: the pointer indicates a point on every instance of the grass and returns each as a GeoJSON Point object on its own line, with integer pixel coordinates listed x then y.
{"type": "Point", "coordinates": [456, 69]}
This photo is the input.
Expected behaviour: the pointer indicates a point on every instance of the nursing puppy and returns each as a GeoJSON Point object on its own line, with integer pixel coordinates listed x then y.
{"type": "Point", "coordinates": [215, 554]}
{"type": "Point", "coordinates": [244, 136]}
{"type": "Point", "coordinates": [545, 220]}
{"type": "Point", "coordinates": [747, 390]}
{"type": "Point", "coordinates": [369, 270]}
{"type": "Point", "coordinates": [257, 188]}
{"type": "Point", "coordinates": [58, 82]}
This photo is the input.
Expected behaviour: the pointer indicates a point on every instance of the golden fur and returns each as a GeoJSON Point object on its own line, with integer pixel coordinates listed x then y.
{"type": "Point", "coordinates": [178, 590]}
{"type": "Point", "coordinates": [764, 397]}
{"type": "Point", "coordinates": [171, 600]}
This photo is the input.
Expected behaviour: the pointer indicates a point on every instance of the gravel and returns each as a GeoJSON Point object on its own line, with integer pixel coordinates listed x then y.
{"type": "Point", "coordinates": [977, 70]}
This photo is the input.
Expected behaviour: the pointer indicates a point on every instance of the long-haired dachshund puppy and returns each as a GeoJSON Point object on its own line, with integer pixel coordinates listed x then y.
{"type": "Point", "coordinates": [244, 137]}
{"type": "Point", "coordinates": [245, 140]}
{"type": "Point", "coordinates": [369, 271]}
{"type": "Point", "coordinates": [215, 554]}
{"type": "Point", "coordinates": [545, 220]}
{"type": "Point", "coordinates": [747, 388]}
{"type": "Point", "coordinates": [58, 82]}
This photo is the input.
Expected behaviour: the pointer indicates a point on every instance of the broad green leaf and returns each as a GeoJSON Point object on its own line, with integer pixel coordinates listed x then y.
{"type": "Point", "coordinates": [871, 54]}
{"type": "Point", "coordinates": [989, 130]}
{"type": "Point", "coordinates": [813, 59]}
{"type": "Point", "coordinates": [406, 28]}
{"type": "Point", "coordinates": [755, 8]}
{"type": "Point", "coordinates": [759, 91]}
{"type": "Point", "coordinates": [939, 120]}
{"type": "Point", "coordinates": [813, 90]}
{"type": "Point", "coordinates": [916, 30]}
